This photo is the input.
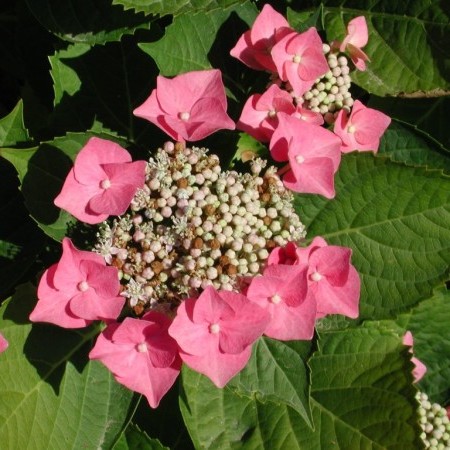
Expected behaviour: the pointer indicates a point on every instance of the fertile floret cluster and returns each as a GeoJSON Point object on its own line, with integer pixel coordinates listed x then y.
{"type": "Point", "coordinates": [194, 225]}
{"type": "Point", "coordinates": [330, 93]}
{"type": "Point", "coordinates": [434, 422]}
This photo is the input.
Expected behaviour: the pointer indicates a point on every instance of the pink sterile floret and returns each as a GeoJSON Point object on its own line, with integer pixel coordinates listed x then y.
{"type": "Point", "coordinates": [282, 290]}
{"type": "Point", "coordinates": [3, 343]}
{"type": "Point", "coordinates": [259, 115]}
{"type": "Point", "coordinates": [332, 279]}
{"type": "Point", "coordinates": [255, 45]}
{"type": "Point", "coordinates": [188, 107]}
{"type": "Point", "coordinates": [216, 331]}
{"type": "Point", "coordinates": [419, 367]}
{"type": "Point", "coordinates": [101, 183]}
{"type": "Point", "coordinates": [362, 129]}
{"type": "Point", "coordinates": [356, 38]}
{"type": "Point", "coordinates": [78, 289]}
{"type": "Point", "coordinates": [300, 60]}
{"type": "Point", "coordinates": [313, 153]}
{"type": "Point", "coordinates": [284, 255]}
{"type": "Point", "coordinates": [140, 354]}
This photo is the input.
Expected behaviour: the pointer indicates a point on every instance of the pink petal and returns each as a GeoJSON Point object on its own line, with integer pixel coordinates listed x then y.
{"type": "Point", "coordinates": [253, 122]}
{"type": "Point", "coordinates": [338, 299]}
{"type": "Point", "coordinates": [74, 198]}
{"type": "Point", "coordinates": [332, 262]}
{"type": "Point", "coordinates": [52, 305]}
{"type": "Point", "coordinates": [88, 305]}
{"type": "Point", "coordinates": [103, 279]}
{"type": "Point", "coordinates": [218, 367]}
{"type": "Point", "coordinates": [284, 255]}
{"type": "Point", "coordinates": [408, 339]}
{"type": "Point", "coordinates": [292, 323]}
{"type": "Point", "coordinates": [113, 201]}
{"type": "Point", "coordinates": [96, 152]}
{"type": "Point", "coordinates": [267, 23]}
{"type": "Point", "coordinates": [194, 338]}
{"type": "Point", "coordinates": [419, 369]}
{"type": "Point", "coordinates": [358, 57]}
{"type": "Point", "coordinates": [3, 343]}
{"type": "Point", "coordinates": [358, 34]}
{"type": "Point", "coordinates": [314, 176]}
{"type": "Point", "coordinates": [245, 327]}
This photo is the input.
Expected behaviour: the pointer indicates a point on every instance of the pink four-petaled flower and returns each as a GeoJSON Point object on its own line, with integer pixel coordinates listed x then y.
{"type": "Point", "coordinates": [101, 183]}
{"type": "Point", "coordinates": [254, 46]}
{"type": "Point", "coordinates": [362, 129]}
{"type": "Point", "coordinates": [78, 289]}
{"type": "Point", "coordinates": [300, 60]}
{"type": "Point", "coordinates": [259, 117]}
{"type": "Point", "coordinates": [313, 153]}
{"type": "Point", "coordinates": [332, 279]}
{"type": "Point", "coordinates": [188, 107]}
{"type": "Point", "coordinates": [215, 332]}
{"type": "Point", "coordinates": [282, 290]}
{"type": "Point", "coordinates": [140, 354]}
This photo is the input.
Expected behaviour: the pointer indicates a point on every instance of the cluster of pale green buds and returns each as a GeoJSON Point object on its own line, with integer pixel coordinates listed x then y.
{"type": "Point", "coordinates": [434, 422]}
{"type": "Point", "coordinates": [330, 93]}
{"type": "Point", "coordinates": [194, 225]}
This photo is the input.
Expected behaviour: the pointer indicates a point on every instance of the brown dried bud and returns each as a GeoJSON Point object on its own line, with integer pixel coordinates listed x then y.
{"type": "Point", "coordinates": [224, 260]}
{"type": "Point", "coordinates": [230, 269]}
{"type": "Point", "coordinates": [198, 242]}
{"type": "Point", "coordinates": [138, 309]}
{"type": "Point", "coordinates": [214, 244]}
{"type": "Point", "coordinates": [270, 244]}
{"type": "Point", "coordinates": [157, 267]}
{"type": "Point", "coordinates": [116, 262]}
{"type": "Point", "coordinates": [266, 197]}
{"type": "Point", "coordinates": [182, 183]}
{"type": "Point", "coordinates": [267, 220]}
{"type": "Point", "coordinates": [210, 210]}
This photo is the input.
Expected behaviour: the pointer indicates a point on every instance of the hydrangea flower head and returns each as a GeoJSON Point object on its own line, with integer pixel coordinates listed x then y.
{"type": "Point", "coordinates": [332, 279]}
{"type": "Point", "coordinates": [3, 343]}
{"type": "Point", "coordinates": [300, 60]}
{"type": "Point", "coordinates": [255, 45]}
{"type": "Point", "coordinates": [216, 331]}
{"type": "Point", "coordinates": [283, 291]}
{"type": "Point", "coordinates": [188, 107]}
{"type": "Point", "coordinates": [77, 290]}
{"type": "Point", "coordinates": [313, 153]}
{"type": "Point", "coordinates": [356, 38]}
{"type": "Point", "coordinates": [101, 183]}
{"type": "Point", "coordinates": [259, 115]}
{"type": "Point", "coordinates": [140, 354]}
{"type": "Point", "coordinates": [362, 129]}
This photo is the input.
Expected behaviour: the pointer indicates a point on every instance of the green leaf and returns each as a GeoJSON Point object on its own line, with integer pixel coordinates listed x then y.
{"type": "Point", "coordinates": [52, 395]}
{"type": "Point", "coordinates": [12, 128]}
{"type": "Point", "coordinates": [199, 31]}
{"type": "Point", "coordinates": [403, 143]}
{"type": "Point", "coordinates": [408, 44]}
{"type": "Point", "coordinates": [86, 21]}
{"type": "Point", "coordinates": [302, 20]}
{"type": "Point", "coordinates": [427, 114]}
{"type": "Point", "coordinates": [101, 83]}
{"type": "Point", "coordinates": [135, 439]}
{"type": "Point", "coordinates": [174, 6]}
{"type": "Point", "coordinates": [361, 397]}
{"type": "Point", "coordinates": [395, 219]}
{"type": "Point", "coordinates": [247, 148]}
{"type": "Point", "coordinates": [42, 171]}
{"type": "Point", "coordinates": [278, 374]}
{"type": "Point", "coordinates": [429, 326]}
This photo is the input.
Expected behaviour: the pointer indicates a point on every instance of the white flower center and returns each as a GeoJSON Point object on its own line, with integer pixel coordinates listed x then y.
{"type": "Point", "coordinates": [316, 276]}
{"type": "Point", "coordinates": [83, 286]}
{"type": "Point", "coordinates": [272, 113]}
{"type": "Point", "coordinates": [275, 299]}
{"type": "Point", "coordinates": [105, 184]}
{"type": "Point", "coordinates": [184, 116]}
{"type": "Point", "coordinates": [300, 159]}
{"type": "Point", "coordinates": [142, 347]}
{"type": "Point", "coordinates": [214, 328]}
{"type": "Point", "coordinates": [296, 59]}
{"type": "Point", "coordinates": [351, 129]}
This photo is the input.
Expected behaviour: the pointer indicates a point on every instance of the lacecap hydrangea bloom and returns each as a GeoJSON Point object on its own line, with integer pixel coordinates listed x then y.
{"type": "Point", "coordinates": [186, 274]}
